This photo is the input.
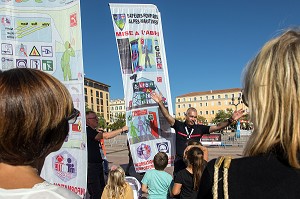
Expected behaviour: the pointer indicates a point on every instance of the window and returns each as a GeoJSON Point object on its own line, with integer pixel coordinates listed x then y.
{"type": "Point", "coordinates": [116, 108]}
{"type": "Point", "coordinates": [206, 97]}
{"type": "Point", "coordinates": [206, 104]}
{"type": "Point", "coordinates": [219, 103]}
{"type": "Point", "coordinates": [178, 105]}
{"type": "Point", "coordinates": [178, 114]}
{"type": "Point", "coordinates": [183, 105]}
{"type": "Point", "coordinates": [200, 104]}
{"type": "Point", "coordinates": [200, 98]}
{"type": "Point", "coordinates": [112, 108]}
{"type": "Point", "coordinates": [226, 96]}
{"type": "Point", "coordinates": [200, 112]}
{"type": "Point", "coordinates": [206, 112]}
{"type": "Point", "coordinates": [219, 96]}
{"type": "Point", "coordinates": [86, 98]}
{"type": "Point", "coordinates": [178, 100]}
{"type": "Point", "coordinates": [212, 112]}
{"type": "Point", "coordinates": [97, 93]}
{"type": "Point", "coordinates": [190, 105]}
{"type": "Point", "coordinates": [232, 95]}
{"type": "Point", "coordinates": [120, 107]}
{"type": "Point", "coordinates": [101, 94]}
{"type": "Point", "coordinates": [195, 98]}
{"type": "Point", "coordinates": [212, 97]}
{"type": "Point", "coordinates": [97, 101]}
{"type": "Point", "coordinates": [184, 99]}
{"type": "Point", "coordinates": [85, 91]}
{"type": "Point", "coordinates": [98, 108]}
{"type": "Point", "coordinates": [92, 100]}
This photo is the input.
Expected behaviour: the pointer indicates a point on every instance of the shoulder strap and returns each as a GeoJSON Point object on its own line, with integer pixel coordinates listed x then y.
{"type": "Point", "coordinates": [218, 163]}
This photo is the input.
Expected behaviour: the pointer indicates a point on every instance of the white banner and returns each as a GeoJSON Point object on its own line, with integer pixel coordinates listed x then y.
{"type": "Point", "coordinates": [140, 43]}
{"type": "Point", "coordinates": [46, 35]}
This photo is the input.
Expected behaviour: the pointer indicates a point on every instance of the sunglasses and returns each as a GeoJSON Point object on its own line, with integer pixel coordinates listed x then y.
{"type": "Point", "coordinates": [73, 117]}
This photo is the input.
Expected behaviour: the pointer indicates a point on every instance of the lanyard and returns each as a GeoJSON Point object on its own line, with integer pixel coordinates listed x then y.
{"type": "Point", "coordinates": [189, 133]}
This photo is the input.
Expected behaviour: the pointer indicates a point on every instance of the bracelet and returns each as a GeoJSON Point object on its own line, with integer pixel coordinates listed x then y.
{"type": "Point", "coordinates": [231, 121]}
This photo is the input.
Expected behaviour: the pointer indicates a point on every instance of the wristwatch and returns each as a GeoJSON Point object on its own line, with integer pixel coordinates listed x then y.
{"type": "Point", "coordinates": [231, 121]}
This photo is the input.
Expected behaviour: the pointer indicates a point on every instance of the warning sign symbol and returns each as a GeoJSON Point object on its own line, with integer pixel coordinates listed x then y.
{"type": "Point", "coordinates": [34, 52]}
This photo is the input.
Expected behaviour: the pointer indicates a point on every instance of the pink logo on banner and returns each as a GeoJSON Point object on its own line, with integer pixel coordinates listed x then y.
{"type": "Point", "coordinates": [64, 166]}
{"type": "Point", "coordinates": [144, 151]}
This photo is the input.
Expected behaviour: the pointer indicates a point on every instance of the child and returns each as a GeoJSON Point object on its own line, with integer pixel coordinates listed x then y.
{"type": "Point", "coordinates": [157, 182]}
{"type": "Point", "coordinates": [116, 187]}
{"type": "Point", "coordinates": [186, 182]}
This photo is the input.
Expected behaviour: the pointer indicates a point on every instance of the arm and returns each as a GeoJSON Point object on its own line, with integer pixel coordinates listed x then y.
{"type": "Point", "coordinates": [176, 189]}
{"type": "Point", "coordinates": [235, 116]}
{"type": "Point", "coordinates": [144, 188]}
{"type": "Point", "coordinates": [158, 99]}
{"type": "Point", "coordinates": [112, 134]}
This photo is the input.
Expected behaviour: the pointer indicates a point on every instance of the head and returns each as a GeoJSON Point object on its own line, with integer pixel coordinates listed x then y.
{"type": "Point", "coordinates": [160, 161]}
{"type": "Point", "coordinates": [35, 108]}
{"type": "Point", "coordinates": [272, 92]}
{"type": "Point", "coordinates": [195, 160]}
{"type": "Point", "coordinates": [193, 142]}
{"type": "Point", "coordinates": [116, 182]}
{"type": "Point", "coordinates": [191, 116]}
{"type": "Point", "coordinates": [92, 119]}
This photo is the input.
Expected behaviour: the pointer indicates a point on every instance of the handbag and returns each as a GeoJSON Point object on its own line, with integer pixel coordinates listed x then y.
{"type": "Point", "coordinates": [226, 165]}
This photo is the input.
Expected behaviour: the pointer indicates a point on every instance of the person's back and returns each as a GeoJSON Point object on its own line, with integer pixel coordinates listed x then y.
{"type": "Point", "coordinates": [260, 177]}
{"type": "Point", "coordinates": [43, 190]}
{"type": "Point", "coordinates": [271, 166]}
{"type": "Point", "coordinates": [157, 182]}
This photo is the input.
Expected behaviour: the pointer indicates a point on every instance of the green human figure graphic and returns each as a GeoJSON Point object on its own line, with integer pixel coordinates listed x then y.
{"type": "Point", "coordinates": [65, 61]}
{"type": "Point", "coordinates": [133, 130]}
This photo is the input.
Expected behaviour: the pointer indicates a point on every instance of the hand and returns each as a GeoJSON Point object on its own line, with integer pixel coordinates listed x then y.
{"type": "Point", "coordinates": [125, 128]}
{"type": "Point", "coordinates": [156, 97]}
{"type": "Point", "coordinates": [237, 114]}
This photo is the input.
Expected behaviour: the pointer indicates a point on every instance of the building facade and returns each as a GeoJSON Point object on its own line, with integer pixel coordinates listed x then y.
{"type": "Point", "coordinates": [208, 103]}
{"type": "Point", "coordinates": [117, 108]}
{"type": "Point", "coordinates": [97, 97]}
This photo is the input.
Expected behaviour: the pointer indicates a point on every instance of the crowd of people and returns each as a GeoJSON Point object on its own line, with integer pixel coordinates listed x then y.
{"type": "Point", "coordinates": [36, 110]}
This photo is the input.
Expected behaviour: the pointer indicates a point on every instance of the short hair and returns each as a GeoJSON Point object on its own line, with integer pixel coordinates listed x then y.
{"type": "Point", "coordinates": [34, 107]}
{"type": "Point", "coordinates": [89, 112]}
{"type": "Point", "coordinates": [160, 161]}
{"type": "Point", "coordinates": [191, 109]}
{"type": "Point", "coordinates": [271, 90]}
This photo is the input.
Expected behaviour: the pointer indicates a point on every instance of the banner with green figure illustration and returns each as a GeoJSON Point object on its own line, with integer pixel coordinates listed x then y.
{"type": "Point", "coordinates": [139, 37]}
{"type": "Point", "coordinates": [46, 35]}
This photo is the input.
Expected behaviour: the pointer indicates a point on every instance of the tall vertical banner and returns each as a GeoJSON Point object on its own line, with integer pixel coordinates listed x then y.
{"type": "Point", "coordinates": [46, 35]}
{"type": "Point", "coordinates": [140, 43]}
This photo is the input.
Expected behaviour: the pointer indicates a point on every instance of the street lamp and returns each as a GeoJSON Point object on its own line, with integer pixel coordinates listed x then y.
{"type": "Point", "coordinates": [238, 130]}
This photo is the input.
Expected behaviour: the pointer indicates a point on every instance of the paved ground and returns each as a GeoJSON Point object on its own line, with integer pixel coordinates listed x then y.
{"type": "Point", "coordinates": [117, 153]}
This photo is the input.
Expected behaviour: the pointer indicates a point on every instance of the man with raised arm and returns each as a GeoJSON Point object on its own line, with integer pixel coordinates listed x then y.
{"type": "Point", "coordinates": [189, 129]}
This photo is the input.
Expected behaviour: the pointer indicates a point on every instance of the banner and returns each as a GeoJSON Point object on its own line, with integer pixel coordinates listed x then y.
{"type": "Point", "coordinates": [46, 35]}
{"type": "Point", "coordinates": [140, 43]}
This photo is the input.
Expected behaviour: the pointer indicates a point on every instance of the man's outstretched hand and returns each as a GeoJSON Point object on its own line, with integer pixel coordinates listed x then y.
{"type": "Point", "coordinates": [156, 97]}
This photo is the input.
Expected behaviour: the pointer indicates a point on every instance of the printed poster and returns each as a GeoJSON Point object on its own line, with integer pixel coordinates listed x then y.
{"type": "Point", "coordinates": [139, 38]}
{"type": "Point", "coordinates": [46, 35]}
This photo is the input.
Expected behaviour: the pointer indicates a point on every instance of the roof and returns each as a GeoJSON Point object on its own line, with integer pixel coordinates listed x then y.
{"type": "Point", "coordinates": [211, 92]}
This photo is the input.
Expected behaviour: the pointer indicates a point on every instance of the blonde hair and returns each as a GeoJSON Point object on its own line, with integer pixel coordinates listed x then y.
{"type": "Point", "coordinates": [272, 91]}
{"type": "Point", "coordinates": [116, 184]}
{"type": "Point", "coordinates": [34, 106]}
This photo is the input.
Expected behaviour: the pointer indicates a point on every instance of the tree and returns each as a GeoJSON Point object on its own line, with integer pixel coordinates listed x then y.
{"type": "Point", "coordinates": [119, 123]}
{"type": "Point", "coordinates": [201, 120]}
{"type": "Point", "coordinates": [102, 121]}
{"type": "Point", "coordinates": [222, 116]}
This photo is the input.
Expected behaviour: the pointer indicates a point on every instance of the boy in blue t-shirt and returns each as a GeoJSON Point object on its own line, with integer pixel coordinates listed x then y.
{"type": "Point", "coordinates": [157, 182]}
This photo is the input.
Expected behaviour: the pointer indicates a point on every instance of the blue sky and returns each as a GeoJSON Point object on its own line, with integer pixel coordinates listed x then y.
{"type": "Point", "coordinates": [207, 43]}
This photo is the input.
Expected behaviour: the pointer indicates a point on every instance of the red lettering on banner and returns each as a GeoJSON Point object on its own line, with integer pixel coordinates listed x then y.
{"type": "Point", "coordinates": [150, 32]}
{"type": "Point", "coordinates": [124, 33]}
{"type": "Point", "coordinates": [78, 190]}
{"type": "Point", "coordinates": [140, 112]}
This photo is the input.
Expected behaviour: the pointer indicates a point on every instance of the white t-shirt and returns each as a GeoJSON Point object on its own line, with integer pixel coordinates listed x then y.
{"type": "Point", "coordinates": [42, 190]}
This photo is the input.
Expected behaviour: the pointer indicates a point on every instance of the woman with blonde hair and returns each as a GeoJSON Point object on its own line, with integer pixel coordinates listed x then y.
{"type": "Point", "coordinates": [117, 187]}
{"type": "Point", "coordinates": [36, 111]}
{"type": "Point", "coordinates": [271, 168]}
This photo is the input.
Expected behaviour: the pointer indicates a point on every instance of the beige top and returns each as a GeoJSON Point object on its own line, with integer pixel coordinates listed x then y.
{"type": "Point", "coordinates": [128, 193]}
